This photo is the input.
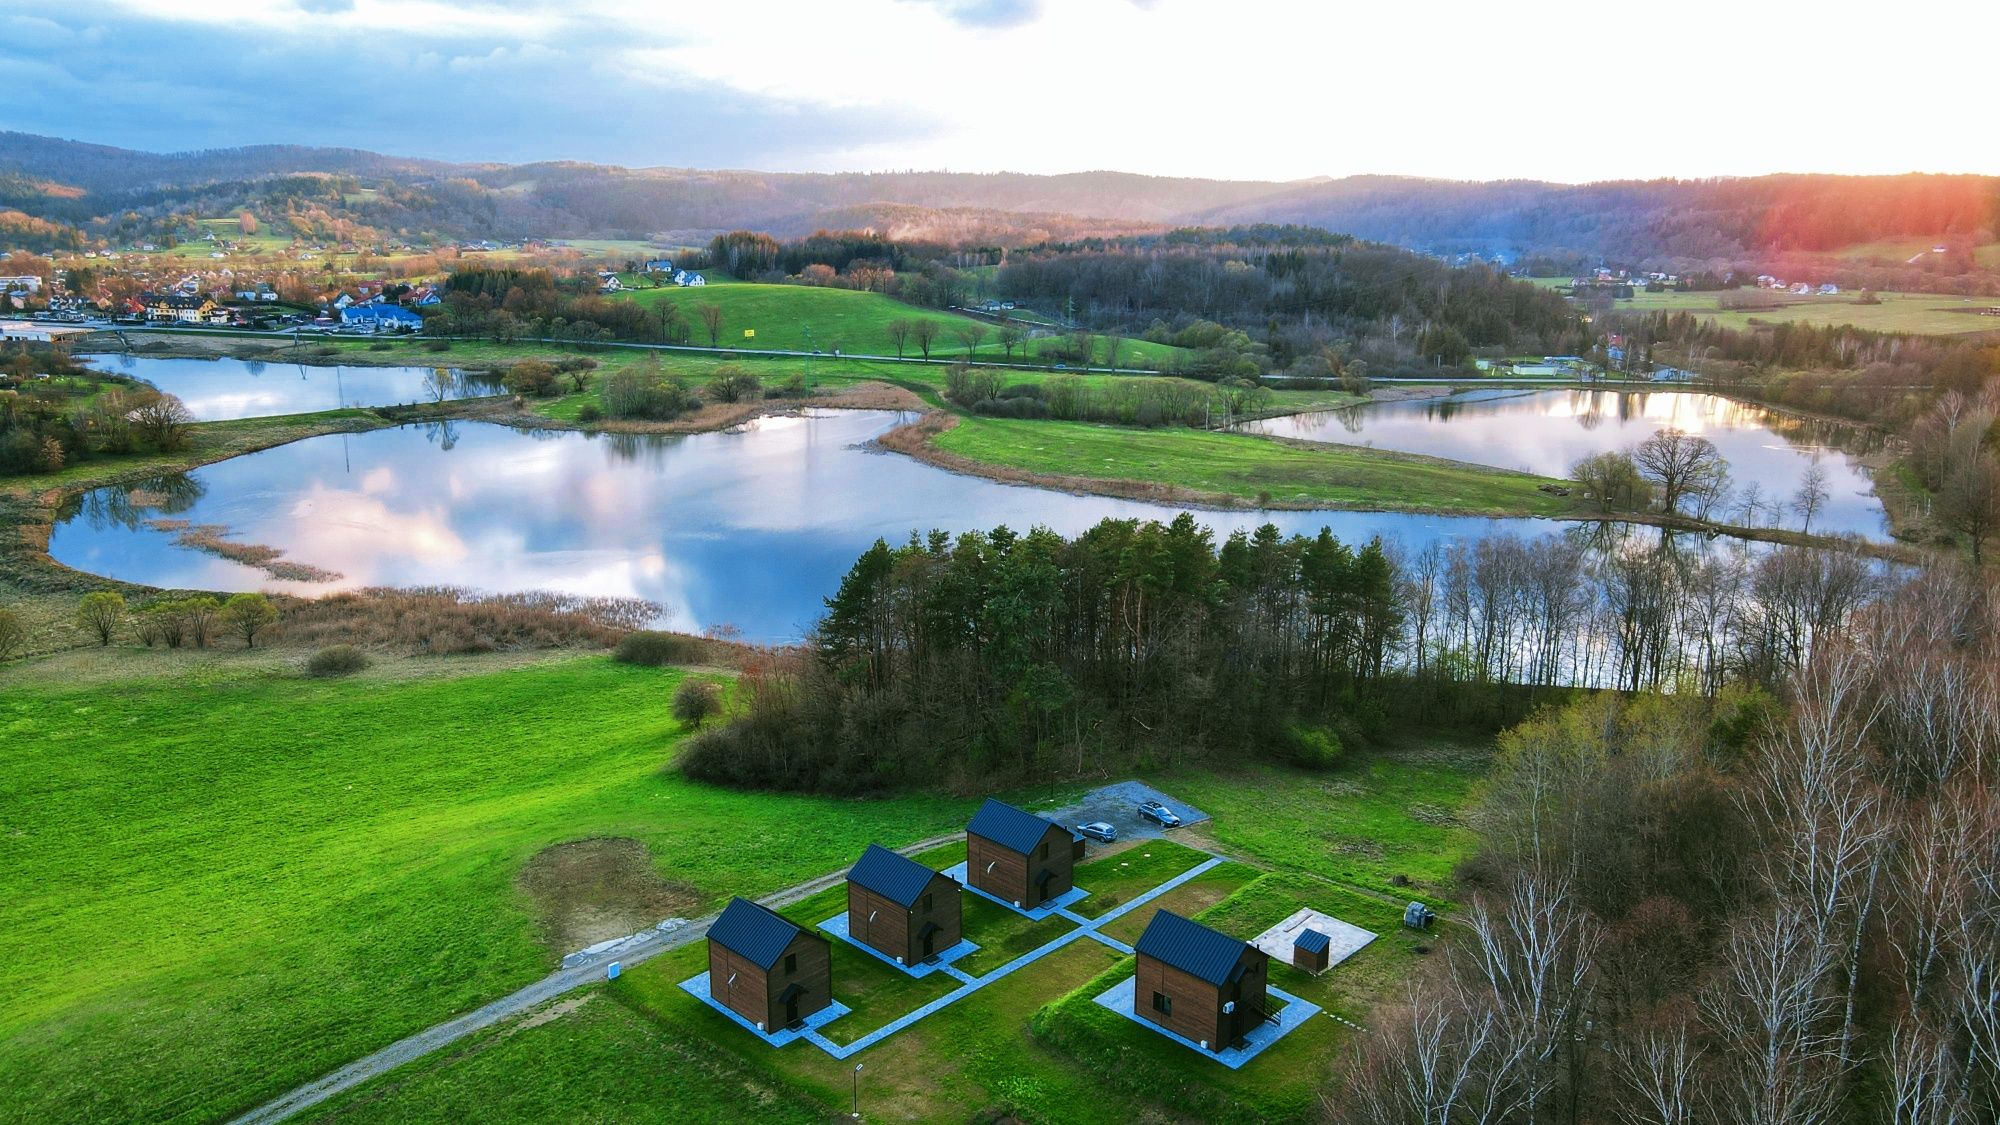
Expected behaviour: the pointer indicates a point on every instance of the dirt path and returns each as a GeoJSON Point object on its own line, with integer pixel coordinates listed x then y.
{"type": "Point", "coordinates": [525, 1000]}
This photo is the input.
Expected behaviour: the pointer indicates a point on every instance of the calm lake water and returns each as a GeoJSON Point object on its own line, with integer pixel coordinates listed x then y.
{"type": "Point", "coordinates": [1545, 432]}
{"type": "Point", "coordinates": [216, 390]}
{"type": "Point", "coordinates": [750, 528]}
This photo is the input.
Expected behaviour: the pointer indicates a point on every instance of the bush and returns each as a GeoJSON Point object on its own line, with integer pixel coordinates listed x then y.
{"type": "Point", "coordinates": [437, 345]}
{"type": "Point", "coordinates": [590, 412]}
{"type": "Point", "coordinates": [697, 701]}
{"type": "Point", "coordinates": [656, 650]}
{"type": "Point", "coordinates": [336, 660]}
{"type": "Point", "coordinates": [734, 384]}
{"type": "Point", "coordinates": [794, 387]}
{"type": "Point", "coordinates": [531, 377]}
{"type": "Point", "coordinates": [1315, 748]}
{"type": "Point", "coordinates": [13, 634]}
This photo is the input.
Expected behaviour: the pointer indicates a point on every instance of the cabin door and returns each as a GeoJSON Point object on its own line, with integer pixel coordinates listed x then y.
{"type": "Point", "coordinates": [930, 943]}
{"type": "Point", "coordinates": [792, 1008]}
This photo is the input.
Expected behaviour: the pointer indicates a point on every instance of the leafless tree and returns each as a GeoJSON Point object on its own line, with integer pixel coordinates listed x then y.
{"type": "Point", "coordinates": [925, 332]}
{"type": "Point", "coordinates": [972, 333]}
{"type": "Point", "coordinates": [711, 319]}
{"type": "Point", "coordinates": [1681, 464]}
{"type": "Point", "coordinates": [1769, 1010]}
{"type": "Point", "coordinates": [899, 334]}
{"type": "Point", "coordinates": [1811, 496]}
{"type": "Point", "coordinates": [1660, 1066]}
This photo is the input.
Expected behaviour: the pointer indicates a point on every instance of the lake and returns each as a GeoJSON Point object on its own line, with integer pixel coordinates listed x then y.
{"type": "Point", "coordinates": [216, 390]}
{"type": "Point", "coordinates": [750, 528]}
{"type": "Point", "coordinates": [1546, 431]}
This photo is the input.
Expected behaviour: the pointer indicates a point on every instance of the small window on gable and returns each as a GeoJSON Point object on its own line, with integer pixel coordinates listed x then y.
{"type": "Point", "coordinates": [927, 903]}
{"type": "Point", "coordinates": [1163, 1003]}
{"type": "Point", "coordinates": [791, 962]}
{"type": "Point", "coordinates": [1045, 849]}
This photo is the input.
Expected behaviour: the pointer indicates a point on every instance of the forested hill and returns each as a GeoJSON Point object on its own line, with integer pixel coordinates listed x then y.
{"type": "Point", "coordinates": [105, 193]}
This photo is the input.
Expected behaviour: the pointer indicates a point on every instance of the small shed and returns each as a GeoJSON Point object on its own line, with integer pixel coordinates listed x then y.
{"type": "Point", "coordinates": [901, 908]}
{"type": "Point", "coordinates": [1310, 950]}
{"type": "Point", "coordinates": [1019, 857]}
{"type": "Point", "coordinates": [766, 968]}
{"type": "Point", "coordinates": [1201, 984]}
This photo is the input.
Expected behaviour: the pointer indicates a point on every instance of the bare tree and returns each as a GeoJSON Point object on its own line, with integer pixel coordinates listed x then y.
{"type": "Point", "coordinates": [1681, 464]}
{"type": "Point", "coordinates": [925, 332]}
{"type": "Point", "coordinates": [1660, 1066]}
{"type": "Point", "coordinates": [972, 333]}
{"type": "Point", "coordinates": [899, 334]}
{"type": "Point", "coordinates": [1769, 1010]}
{"type": "Point", "coordinates": [711, 319]}
{"type": "Point", "coordinates": [1811, 496]}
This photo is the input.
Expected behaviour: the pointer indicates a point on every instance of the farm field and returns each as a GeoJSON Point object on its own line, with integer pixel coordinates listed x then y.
{"type": "Point", "coordinates": [302, 871]}
{"type": "Point", "coordinates": [1244, 467]}
{"type": "Point", "coordinates": [1927, 314]}
{"type": "Point", "coordinates": [804, 317]}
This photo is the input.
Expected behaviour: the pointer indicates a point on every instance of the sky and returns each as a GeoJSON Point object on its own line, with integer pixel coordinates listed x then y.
{"type": "Point", "coordinates": [1229, 89]}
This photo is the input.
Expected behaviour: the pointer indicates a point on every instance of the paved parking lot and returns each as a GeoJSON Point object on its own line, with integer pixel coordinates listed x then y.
{"type": "Point", "coordinates": [1118, 806]}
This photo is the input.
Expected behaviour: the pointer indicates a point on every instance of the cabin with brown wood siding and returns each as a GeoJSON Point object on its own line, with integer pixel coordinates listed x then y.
{"type": "Point", "coordinates": [766, 968]}
{"type": "Point", "coordinates": [901, 908]}
{"type": "Point", "coordinates": [1201, 984]}
{"type": "Point", "coordinates": [1019, 857]}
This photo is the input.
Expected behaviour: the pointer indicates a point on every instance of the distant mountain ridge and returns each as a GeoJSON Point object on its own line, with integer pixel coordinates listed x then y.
{"type": "Point", "coordinates": [1688, 221]}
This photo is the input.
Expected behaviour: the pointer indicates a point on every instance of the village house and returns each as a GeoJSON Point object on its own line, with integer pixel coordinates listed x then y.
{"type": "Point", "coordinates": [901, 908]}
{"type": "Point", "coordinates": [685, 278]}
{"type": "Point", "coordinates": [380, 317]}
{"type": "Point", "coordinates": [1019, 857]}
{"type": "Point", "coordinates": [178, 307]}
{"type": "Point", "coordinates": [659, 265]}
{"type": "Point", "coordinates": [1201, 984]}
{"type": "Point", "coordinates": [21, 283]}
{"type": "Point", "coordinates": [768, 970]}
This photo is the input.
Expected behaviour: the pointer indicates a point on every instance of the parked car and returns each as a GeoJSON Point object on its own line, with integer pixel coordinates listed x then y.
{"type": "Point", "coordinates": [1099, 831]}
{"type": "Point", "coordinates": [1159, 814]}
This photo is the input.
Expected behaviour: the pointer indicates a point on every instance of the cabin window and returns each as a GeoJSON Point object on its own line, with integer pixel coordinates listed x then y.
{"type": "Point", "coordinates": [927, 904]}
{"type": "Point", "coordinates": [1163, 1003]}
{"type": "Point", "coordinates": [1045, 849]}
{"type": "Point", "coordinates": [791, 963]}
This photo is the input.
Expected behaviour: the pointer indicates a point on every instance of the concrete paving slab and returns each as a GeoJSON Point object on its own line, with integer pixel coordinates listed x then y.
{"type": "Point", "coordinates": [1119, 998]}
{"type": "Point", "coordinates": [836, 927]}
{"type": "Point", "coordinates": [697, 987]}
{"type": "Point", "coordinates": [1344, 939]}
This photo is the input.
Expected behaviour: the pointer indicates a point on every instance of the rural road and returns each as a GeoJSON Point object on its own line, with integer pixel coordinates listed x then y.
{"type": "Point", "coordinates": [541, 992]}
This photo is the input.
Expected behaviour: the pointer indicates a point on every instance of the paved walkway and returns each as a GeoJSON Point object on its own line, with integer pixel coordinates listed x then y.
{"type": "Point", "coordinates": [1086, 927]}
{"type": "Point", "coordinates": [1121, 998]}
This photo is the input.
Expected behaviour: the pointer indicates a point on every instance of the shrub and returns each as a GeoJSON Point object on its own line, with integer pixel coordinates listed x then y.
{"type": "Point", "coordinates": [590, 412]}
{"type": "Point", "coordinates": [437, 345]}
{"type": "Point", "coordinates": [1315, 748]}
{"type": "Point", "coordinates": [734, 384]}
{"type": "Point", "coordinates": [13, 634]}
{"type": "Point", "coordinates": [531, 377]}
{"type": "Point", "coordinates": [656, 650]}
{"type": "Point", "coordinates": [380, 346]}
{"type": "Point", "coordinates": [336, 660]}
{"type": "Point", "coordinates": [247, 614]}
{"type": "Point", "coordinates": [697, 701]}
{"type": "Point", "coordinates": [101, 613]}
{"type": "Point", "coordinates": [434, 620]}
{"type": "Point", "coordinates": [794, 387]}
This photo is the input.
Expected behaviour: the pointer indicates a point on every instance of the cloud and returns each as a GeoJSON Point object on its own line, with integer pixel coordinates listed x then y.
{"type": "Point", "coordinates": [989, 13]}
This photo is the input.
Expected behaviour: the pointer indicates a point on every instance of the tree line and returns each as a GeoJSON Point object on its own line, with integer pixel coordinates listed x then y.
{"type": "Point", "coordinates": [998, 657]}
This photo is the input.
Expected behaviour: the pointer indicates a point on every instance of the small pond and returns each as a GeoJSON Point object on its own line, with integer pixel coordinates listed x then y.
{"type": "Point", "coordinates": [1547, 431]}
{"type": "Point", "coordinates": [750, 528]}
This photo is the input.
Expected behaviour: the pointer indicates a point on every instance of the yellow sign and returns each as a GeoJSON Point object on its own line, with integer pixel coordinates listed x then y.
{"type": "Point", "coordinates": [749, 332]}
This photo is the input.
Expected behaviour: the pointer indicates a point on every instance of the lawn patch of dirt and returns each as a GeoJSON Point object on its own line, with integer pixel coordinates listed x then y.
{"type": "Point", "coordinates": [587, 891]}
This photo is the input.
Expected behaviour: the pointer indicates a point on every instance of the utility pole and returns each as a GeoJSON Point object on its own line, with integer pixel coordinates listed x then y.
{"type": "Point", "coordinates": [857, 1091]}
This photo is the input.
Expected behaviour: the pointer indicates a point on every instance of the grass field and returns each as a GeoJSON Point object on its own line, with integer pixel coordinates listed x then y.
{"type": "Point", "coordinates": [225, 880]}
{"type": "Point", "coordinates": [1248, 468]}
{"type": "Point", "coordinates": [804, 317]}
{"type": "Point", "coordinates": [1924, 314]}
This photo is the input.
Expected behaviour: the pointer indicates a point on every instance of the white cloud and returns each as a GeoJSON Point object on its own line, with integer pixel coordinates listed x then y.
{"type": "Point", "coordinates": [1251, 89]}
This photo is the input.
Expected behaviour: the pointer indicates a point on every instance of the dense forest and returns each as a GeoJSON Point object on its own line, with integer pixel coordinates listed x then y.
{"type": "Point", "coordinates": [997, 657]}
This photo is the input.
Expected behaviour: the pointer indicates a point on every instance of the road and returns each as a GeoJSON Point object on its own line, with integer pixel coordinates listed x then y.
{"type": "Point", "coordinates": [518, 1003]}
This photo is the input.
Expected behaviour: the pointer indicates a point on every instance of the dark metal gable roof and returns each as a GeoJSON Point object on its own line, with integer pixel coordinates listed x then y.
{"type": "Point", "coordinates": [1009, 827]}
{"type": "Point", "coordinates": [1312, 941]}
{"type": "Point", "coordinates": [897, 878]}
{"type": "Point", "coordinates": [1191, 947]}
{"type": "Point", "coordinates": [753, 932]}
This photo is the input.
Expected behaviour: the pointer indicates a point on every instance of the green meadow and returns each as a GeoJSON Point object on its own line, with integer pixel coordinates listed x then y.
{"type": "Point", "coordinates": [1921, 314]}
{"type": "Point", "coordinates": [805, 317]}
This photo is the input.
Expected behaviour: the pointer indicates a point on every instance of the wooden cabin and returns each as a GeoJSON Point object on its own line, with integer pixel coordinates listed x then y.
{"type": "Point", "coordinates": [1019, 857]}
{"type": "Point", "coordinates": [901, 908]}
{"type": "Point", "coordinates": [767, 969]}
{"type": "Point", "coordinates": [1198, 983]}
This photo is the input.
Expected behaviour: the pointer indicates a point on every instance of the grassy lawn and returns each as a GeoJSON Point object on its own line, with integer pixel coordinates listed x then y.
{"type": "Point", "coordinates": [1186, 900]}
{"type": "Point", "coordinates": [1003, 935]}
{"type": "Point", "coordinates": [220, 883]}
{"type": "Point", "coordinates": [1246, 467]}
{"type": "Point", "coordinates": [803, 317]}
{"type": "Point", "coordinates": [601, 1062]}
{"type": "Point", "coordinates": [1378, 815]}
{"type": "Point", "coordinates": [876, 991]}
{"type": "Point", "coordinates": [1924, 314]}
{"type": "Point", "coordinates": [1114, 879]}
